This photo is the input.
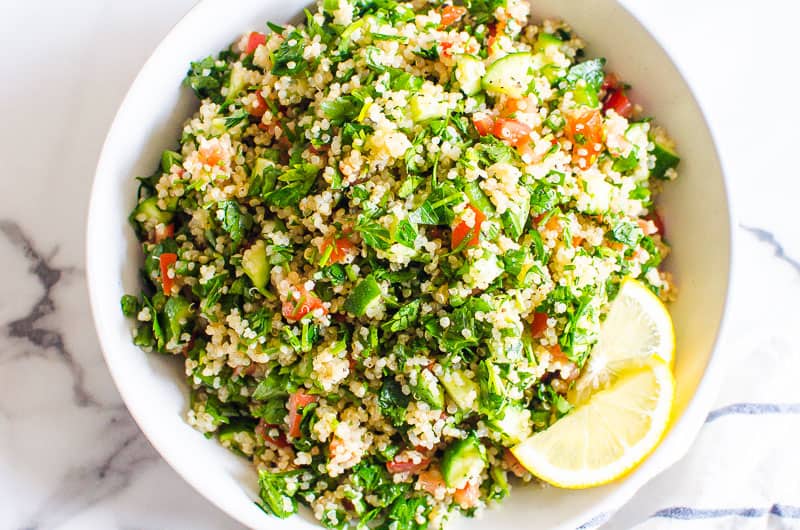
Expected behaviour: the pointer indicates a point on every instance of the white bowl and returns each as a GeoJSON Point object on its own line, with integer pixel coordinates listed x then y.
{"type": "Point", "coordinates": [153, 386]}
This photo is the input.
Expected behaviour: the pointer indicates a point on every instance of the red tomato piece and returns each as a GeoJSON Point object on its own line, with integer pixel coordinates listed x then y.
{"type": "Point", "coordinates": [262, 430]}
{"type": "Point", "coordinates": [468, 496]}
{"type": "Point", "coordinates": [255, 40]}
{"type": "Point", "coordinates": [552, 224]}
{"type": "Point", "coordinates": [512, 463]}
{"type": "Point", "coordinates": [538, 324]}
{"type": "Point", "coordinates": [403, 463]}
{"type": "Point", "coordinates": [610, 81]}
{"type": "Point", "coordinates": [585, 130]}
{"type": "Point", "coordinates": [211, 154]}
{"type": "Point", "coordinates": [451, 14]}
{"type": "Point", "coordinates": [297, 401]}
{"type": "Point", "coordinates": [495, 30]}
{"type": "Point", "coordinates": [483, 123]}
{"type": "Point", "coordinates": [163, 232]}
{"type": "Point", "coordinates": [511, 131]}
{"type": "Point", "coordinates": [658, 221]}
{"type": "Point", "coordinates": [462, 230]}
{"type": "Point", "coordinates": [295, 308]}
{"type": "Point", "coordinates": [341, 248]}
{"type": "Point", "coordinates": [167, 260]}
{"type": "Point", "coordinates": [431, 480]}
{"type": "Point", "coordinates": [617, 100]}
{"type": "Point", "coordinates": [259, 106]}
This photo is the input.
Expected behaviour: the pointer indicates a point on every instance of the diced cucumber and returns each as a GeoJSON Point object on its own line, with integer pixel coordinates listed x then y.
{"type": "Point", "coordinates": [178, 311]}
{"type": "Point", "coordinates": [217, 127]}
{"type": "Point", "coordinates": [666, 159]}
{"type": "Point", "coordinates": [227, 433]}
{"type": "Point", "coordinates": [429, 390]}
{"type": "Point", "coordinates": [545, 41]}
{"type": "Point", "coordinates": [462, 390]}
{"type": "Point", "coordinates": [513, 423]}
{"type": "Point", "coordinates": [424, 107]}
{"type": "Point", "coordinates": [585, 95]}
{"type": "Point", "coordinates": [148, 210]}
{"type": "Point", "coordinates": [463, 460]}
{"type": "Point", "coordinates": [254, 264]}
{"type": "Point", "coordinates": [169, 159]}
{"type": "Point", "coordinates": [469, 72]}
{"type": "Point", "coordinates": [236, 83]}
{"type": "Point", "coordinates": [362, 296]}
{"type": "Point", "coordinates": [478, 199]}
{"type": "Point", "coordinates": [510, 75]}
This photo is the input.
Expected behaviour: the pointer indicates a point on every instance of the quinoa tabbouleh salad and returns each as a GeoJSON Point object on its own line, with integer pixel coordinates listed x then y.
{"type": "Point", "coordinates": [386, 245]}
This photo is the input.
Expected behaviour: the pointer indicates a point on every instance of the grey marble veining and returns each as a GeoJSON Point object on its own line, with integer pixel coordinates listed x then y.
{"type": "Point", "coordinates": [71, 457]}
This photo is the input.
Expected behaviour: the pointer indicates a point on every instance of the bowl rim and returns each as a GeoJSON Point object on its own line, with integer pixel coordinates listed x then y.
{"type": "Point", "coordinates": [681, 433]}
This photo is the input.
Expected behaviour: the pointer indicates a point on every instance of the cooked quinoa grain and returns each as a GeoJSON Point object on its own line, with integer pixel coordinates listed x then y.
{"type": "Point", "coordinates": [385, 247]}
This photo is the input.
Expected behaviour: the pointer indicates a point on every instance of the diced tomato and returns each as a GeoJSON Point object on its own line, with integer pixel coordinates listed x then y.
{"type": "Point", "coordinates": [512, 131]}
{"type": "Point", "coordinates": [451, 15]}
{"type": "Point", "coordinates": [658, 221]}
{"type": "Point", "coordinates": [262, 429]}
{"type": "Point", "coordinates": [617, 100]}
{"type": "Point", "coordinates": [431, 480]}
{"type": "Point", "coordinates": [255, 40]}
{"type": "Point", "coordinates": [513, 105]}
{"type": "Point", "coordinates": [585, 130]}
{"type": "Point", "coordinates": [259, 106]}
{"type": "Point", "coordinates": [297, 401]}
{"type": "Point", "coordinates": [163, 232]}
{"type": "Point", "coordinates": [461, 230]}
{"type": "Point", "coordinates": [495, 30]}
{"type": "Point", "coordinates": [445, 46]}
{"type": "Point", "coordinates": [552, 224]}
{"type": "Point", "coordinates": [295, 308]}
{"type": "Point", "coordinates": [512, 463]}
{"type": "Point", "coordinates": [610, 81]}
{"type": "Point", "coordinates": [342, 247]}
{"type": "Point", "coordinates": [483, 123]}
{"type": "Point", "coordinates": [403, 463]}
{"type": "Point", "coordinates": [538, 324]}
{"type": "Point", "coordinates": [211, 153]}
{"type": "Point", "coordinates": [167, 260]}
{"type": "Point", "coordinates": [569, 371]}
{"type": "Point", "coordinates": [468, 496]}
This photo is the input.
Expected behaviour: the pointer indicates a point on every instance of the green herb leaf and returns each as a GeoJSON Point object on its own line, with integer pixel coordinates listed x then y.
{"type": "Point", "coordinates": [130, 305]}
{"type": "Point", "coordinates": [404, 318]}
{"type": "Point", "coordinates": [298, 182]}
{"type": "Point", "coordinates": [393, 402]}
{"type": "Point", "coordinates": [288, 58]}
{"type": "Point", "coordinates": [373, 233]}
{"type": "Point", "coordinates": [277, 492]}
{"type": "Point", "coordinates": [234, 221]}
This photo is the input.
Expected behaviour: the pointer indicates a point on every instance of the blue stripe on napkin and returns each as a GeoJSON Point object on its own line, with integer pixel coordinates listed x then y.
{"type": "Point", "coordinates": [754, 409]}
{"type": "Point", "coordinates": [686, 513]}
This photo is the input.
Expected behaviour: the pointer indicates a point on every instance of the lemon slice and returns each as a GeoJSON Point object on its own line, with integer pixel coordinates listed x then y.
{"type": "Point", "coordinates": [638, 326]}
{"type": "Point", "coordinates": [607, 436]}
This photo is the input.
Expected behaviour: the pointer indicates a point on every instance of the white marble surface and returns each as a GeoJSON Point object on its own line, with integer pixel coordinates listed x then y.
{"type": "Point", "coordinates": [71, 456]}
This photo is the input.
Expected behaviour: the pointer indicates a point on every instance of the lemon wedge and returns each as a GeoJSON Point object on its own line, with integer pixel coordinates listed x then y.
{"type": "Point", "coordinates": [608, 435]}
{"type": "Point", "coordinates": [638, 326]}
